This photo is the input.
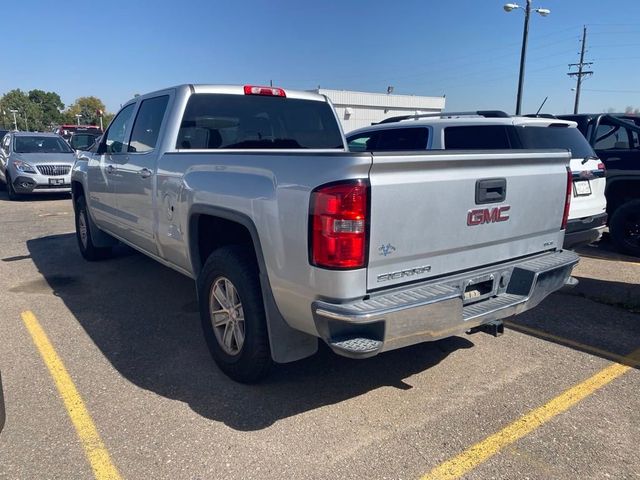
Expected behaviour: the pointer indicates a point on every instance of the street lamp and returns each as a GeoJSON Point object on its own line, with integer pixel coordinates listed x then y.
{"type": "Point", "coordinates": [15, 122]}
{"type": "Point", "coordinates": [78, 118]}
{"type": "Point", "coordinates": [525, 34]}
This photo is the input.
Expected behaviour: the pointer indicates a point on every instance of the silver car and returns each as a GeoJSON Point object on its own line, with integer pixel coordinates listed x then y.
{"type": "Point", "coordinates": [35, 163]}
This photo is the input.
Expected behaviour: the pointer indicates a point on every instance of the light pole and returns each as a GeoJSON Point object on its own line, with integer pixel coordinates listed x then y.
{"type": "Point", "coordinates": [15, 122]}
{"type": "Point", "coordinates": [525, 34]}
{"type": "Point", "coordinates": [78, 118]}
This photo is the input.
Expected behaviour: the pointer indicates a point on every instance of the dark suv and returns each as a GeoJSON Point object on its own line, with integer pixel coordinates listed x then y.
{"type": "Point", "coordinates": [616, 140]}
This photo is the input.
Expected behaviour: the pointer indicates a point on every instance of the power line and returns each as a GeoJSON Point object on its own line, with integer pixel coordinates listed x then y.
{"type": "Point", "coordinates": [610, 91]}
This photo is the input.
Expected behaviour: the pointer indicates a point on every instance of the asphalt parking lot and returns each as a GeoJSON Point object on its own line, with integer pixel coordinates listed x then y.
{"type": "Point", "coordinates": [555, 397]}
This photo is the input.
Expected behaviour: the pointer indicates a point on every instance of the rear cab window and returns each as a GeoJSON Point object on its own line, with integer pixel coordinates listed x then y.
{"type": "Point", "coordinates": [215, 121]}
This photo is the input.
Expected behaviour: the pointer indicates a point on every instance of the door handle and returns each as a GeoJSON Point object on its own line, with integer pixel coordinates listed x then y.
{"type": "Point", "coordinates": [613, 159]}
{"type": "Point", "coordinates": [145, 173]}
{"type": "Point", "coordinates": [491, 190]}
{"type": "Point", "coordinates": [110, 169]}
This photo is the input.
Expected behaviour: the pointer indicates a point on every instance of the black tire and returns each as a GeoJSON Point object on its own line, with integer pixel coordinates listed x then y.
{"type": "Point", "coordinates": [237, 265]}
{"type": "Point", "coordinates": [11, 192]}
{"type": "Point", "coordinates": [87, 249]}
{"type": "Point", "coordinates": [624, 227]}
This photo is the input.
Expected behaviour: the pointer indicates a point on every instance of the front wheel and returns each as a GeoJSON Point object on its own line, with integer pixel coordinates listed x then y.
{"type": "Point", "coordinates": [83, 234]}
{"type": "Point", "coordinates": [232, 314]}
{"type": "Point", "coordinates": [11, 192]}
{"type": "Point", "coordinates": [624, 227]}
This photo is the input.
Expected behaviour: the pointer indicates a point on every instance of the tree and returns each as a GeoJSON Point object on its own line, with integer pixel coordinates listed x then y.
{"type": "Point", "coordinates": [87, 107]}
{"type": "Point", "coordinates": [26, 111]}
{"type": "Point", "coordinates": [48, 107]}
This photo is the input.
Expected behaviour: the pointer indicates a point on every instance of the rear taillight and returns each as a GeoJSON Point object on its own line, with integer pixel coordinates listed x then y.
{"type": "Point", "coordinates": [567, 201]}
{"type": "Point", "coordinates": [338, 225]}
{"type": "Point", "coordinates": [268, 91]}
{"type": "Point", "coordinates": [601, 166]}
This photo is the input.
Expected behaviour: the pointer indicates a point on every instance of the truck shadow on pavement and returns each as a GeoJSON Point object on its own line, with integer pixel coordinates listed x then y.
{"type": "Point", "coordinates": [144, 318]}
{"type": "Point", "coordinates": [606, 250]}
{"type": "Point", "coordinates": [598, 317]}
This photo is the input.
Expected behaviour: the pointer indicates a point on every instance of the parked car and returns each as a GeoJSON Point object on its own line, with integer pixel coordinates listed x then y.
{"type": "Point", "coordinates": [495, 130]}
{"type": "Point", "coordinates": [35, 163]}
{"type": "Point", "coordinates": [616, 140]}
{"type": "Point", "coordinates": [66, 131]}
{"type": "Point", "coordinates": [252, 192]}
{"type": "Point", "coordinates": [83, 140]}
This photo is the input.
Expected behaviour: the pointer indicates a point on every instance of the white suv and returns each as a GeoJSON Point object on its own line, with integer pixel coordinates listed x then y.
{"type": "Point", "coordinates": [495, 130]}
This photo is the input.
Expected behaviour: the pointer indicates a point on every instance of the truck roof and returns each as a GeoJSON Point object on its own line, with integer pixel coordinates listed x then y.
{"type": "Point", "coordinates": [234, 90]}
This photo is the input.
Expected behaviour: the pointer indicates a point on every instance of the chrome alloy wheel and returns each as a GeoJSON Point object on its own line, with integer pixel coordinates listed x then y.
{"type": "Point", "coordinates": [226, 315]}
{"type": "Point", "coordinates": [82, 227]}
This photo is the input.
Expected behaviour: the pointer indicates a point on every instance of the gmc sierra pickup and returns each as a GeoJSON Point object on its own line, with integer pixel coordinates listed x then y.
{"type": "Point", "coordinates": [252, 192]}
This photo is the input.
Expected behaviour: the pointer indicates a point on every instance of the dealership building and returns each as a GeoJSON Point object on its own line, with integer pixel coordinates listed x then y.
{"type": "Point", "coordinates": [361, 109]}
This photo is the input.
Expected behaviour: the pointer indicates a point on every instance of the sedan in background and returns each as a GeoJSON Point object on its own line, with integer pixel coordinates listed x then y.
{"type": "Point", "coordinates": [35, 163]}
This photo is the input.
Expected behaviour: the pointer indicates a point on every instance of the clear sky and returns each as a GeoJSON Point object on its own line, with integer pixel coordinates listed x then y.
{"type": "Point", "coordinates": [467, 50]}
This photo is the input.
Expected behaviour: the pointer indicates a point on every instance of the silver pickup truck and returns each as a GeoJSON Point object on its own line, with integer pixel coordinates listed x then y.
{"type": "Point", "coordinates": [252, 192]}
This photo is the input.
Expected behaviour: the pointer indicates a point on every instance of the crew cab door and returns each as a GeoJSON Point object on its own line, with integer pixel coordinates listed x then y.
{"type": "Point", "coordinates": [135, 183]}
{"type": "Point", "coordinates": [102, 170]}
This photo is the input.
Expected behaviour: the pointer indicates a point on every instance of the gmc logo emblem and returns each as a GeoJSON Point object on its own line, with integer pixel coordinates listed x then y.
{"type": "Point", "coordinates": [488, 215]}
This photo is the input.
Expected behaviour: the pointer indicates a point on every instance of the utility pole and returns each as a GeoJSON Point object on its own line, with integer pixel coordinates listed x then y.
{"type": "Point", "coordinates": [580, 73]}
{"type": "Point", "coordinates": [523, 55]}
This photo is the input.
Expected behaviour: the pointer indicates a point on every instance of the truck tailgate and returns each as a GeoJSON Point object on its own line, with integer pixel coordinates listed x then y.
{"type": "Point", "coordinates": [435, 213]}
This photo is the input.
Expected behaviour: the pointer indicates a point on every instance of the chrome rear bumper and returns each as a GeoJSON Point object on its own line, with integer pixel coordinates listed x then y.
{"type": "Point", "coordinates": [440, 308]}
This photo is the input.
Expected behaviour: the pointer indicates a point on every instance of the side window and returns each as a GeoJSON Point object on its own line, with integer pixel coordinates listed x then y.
{"type": "Point", "coordinates": [392, 140]}
{"type": "Point", "coordinates": [147, 124]}
{"type": "Point", "coordinates": [403, 139]}
{"type": "Point", "coordinates": [612, 137]}
{"type": "Point", "coordinates": [360, 142]}
{"type": "Point", "coordinates": [477, 137]}
{"type": "Point", "coordinates": [115, 135]}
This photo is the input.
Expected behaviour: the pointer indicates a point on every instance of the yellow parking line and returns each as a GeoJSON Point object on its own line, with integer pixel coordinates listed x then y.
{"type": "Point", "coordinates": [485, 449]}
{"type": "Point", "coordinates": [95, 450]}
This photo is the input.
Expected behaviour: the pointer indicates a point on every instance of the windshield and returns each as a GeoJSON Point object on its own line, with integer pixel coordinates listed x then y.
{"type": "Point", "coordinates": [24, 144]}
{"type": "Point", "coordinates": [556, 137]}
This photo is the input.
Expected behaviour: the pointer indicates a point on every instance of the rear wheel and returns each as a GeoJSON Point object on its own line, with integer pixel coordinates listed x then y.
{"type": "Point", "coordinates": [624, 227]}
{"type": "Point", "coordinates": [232, 314]}
{"type": "Point", "coordinates": [83, 234]}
